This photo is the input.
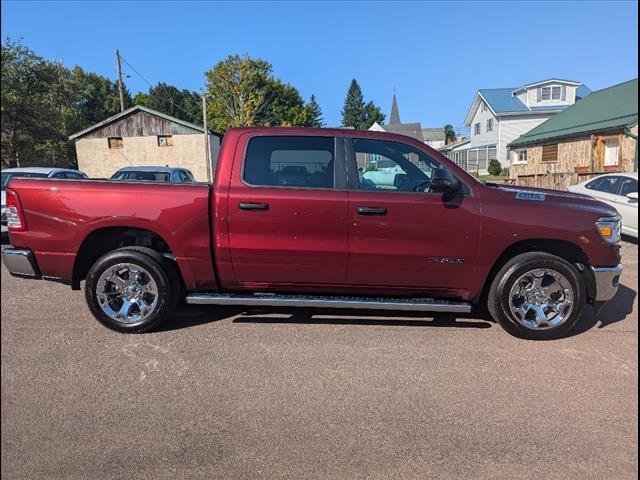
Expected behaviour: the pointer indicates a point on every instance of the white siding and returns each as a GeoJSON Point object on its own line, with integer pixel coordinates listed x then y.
{"type": "Point", "coordinates": [435, 143]}
{"type": "Point", "coordinates": [514, 126]}
{"type": "Point", "coordinates": [522, 96]}
{"type": "Point", "coordinates": [570, 95]}
{"type": "Point", "coordinates": [485, 138]}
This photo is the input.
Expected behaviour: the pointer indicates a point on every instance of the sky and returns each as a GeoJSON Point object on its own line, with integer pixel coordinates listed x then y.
{"type": "Point", "coordinates": [435, 55]}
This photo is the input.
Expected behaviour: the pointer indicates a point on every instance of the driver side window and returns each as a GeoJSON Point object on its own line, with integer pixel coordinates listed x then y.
{"type": "Point", "coordinates": [390, 166]}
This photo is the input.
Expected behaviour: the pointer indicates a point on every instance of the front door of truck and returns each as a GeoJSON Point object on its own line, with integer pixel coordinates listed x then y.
{"type": "Point", "coordinates": [401, 235]}
{"type": "Point", "coordinates": [287, 212]}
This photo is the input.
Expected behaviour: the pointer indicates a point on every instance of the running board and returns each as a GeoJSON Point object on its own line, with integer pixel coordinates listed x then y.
{"type": "Point", "coordinates": [311, 301]}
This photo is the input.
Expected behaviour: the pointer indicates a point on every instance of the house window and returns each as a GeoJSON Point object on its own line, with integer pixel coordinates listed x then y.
{"type": "Point", "coordinates": [490, 125]}
{"type": "Point", "coordinates": [520, 156]}
{"type": "Point", "coordinates": [483, 107]}
{"type": "Point", "coordinates": [476, 129]}
{"type": "Point", "coordinates": [611, 152]}
{"type": "Point", "coordinates": [115, 142]}
{"type": "Point", "coordinates": [165, 140]}
{"type": "Point", "coordinates": [556, 93]}
{"type": "Point", "coordinates": [550, 153]}
{"type": "Point", "coordinates": [546, 93]}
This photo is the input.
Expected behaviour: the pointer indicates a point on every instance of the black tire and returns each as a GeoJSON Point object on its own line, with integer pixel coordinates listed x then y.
{"type": "Point", "coordinates": [154, 264]}
{"type": "Point", "coordinates": [498, 300]}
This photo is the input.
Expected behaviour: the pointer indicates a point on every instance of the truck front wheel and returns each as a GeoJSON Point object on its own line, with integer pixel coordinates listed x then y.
{"type": "Point", "coordinates": [130, 290]}
{"type": "Point", "coordinates": [537, 296]}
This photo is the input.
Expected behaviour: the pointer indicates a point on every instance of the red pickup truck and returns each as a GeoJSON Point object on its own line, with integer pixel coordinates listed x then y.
{"type": "Point", "coordinates": [330, 218]}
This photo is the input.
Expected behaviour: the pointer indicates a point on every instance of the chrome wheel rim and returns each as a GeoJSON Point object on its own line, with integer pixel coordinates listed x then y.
{"type": "Point", "coordinates": [127, 293]}
{"type": "Point", "coordinates": [541, 299]}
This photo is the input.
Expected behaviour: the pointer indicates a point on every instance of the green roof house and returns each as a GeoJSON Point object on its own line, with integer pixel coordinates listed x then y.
{"type": "Point", "coordinates": [594, 136]}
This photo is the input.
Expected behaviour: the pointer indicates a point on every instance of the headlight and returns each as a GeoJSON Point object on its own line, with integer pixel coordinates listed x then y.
{"type": "Point", "coordinates": [609, 229]}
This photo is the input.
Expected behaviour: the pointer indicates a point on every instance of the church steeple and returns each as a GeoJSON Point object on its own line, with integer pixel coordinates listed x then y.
{"type": "Point", "coordinates": [395, 114]}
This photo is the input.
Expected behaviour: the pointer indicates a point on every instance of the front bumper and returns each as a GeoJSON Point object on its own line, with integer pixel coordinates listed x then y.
{"type": "Point", "coordinates": [607, 282]}
{"type": "Point", "coordinates": [20, 263]}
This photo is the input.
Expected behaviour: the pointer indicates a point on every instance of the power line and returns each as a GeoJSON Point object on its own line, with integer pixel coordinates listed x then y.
{"type": "Point", "coordinates": [152, 86]}
{"type": "Point", "coordinates": [137, 73]}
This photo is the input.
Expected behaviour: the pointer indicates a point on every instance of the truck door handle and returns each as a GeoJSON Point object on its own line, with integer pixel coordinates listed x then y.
{"type": "Point", "coordinates": [253, 206]}
{"type": "Point", "coordinates": [372, 211]}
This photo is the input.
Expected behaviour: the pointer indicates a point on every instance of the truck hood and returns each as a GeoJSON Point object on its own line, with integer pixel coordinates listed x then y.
{"type": "Point", "coordinates": [556, 198]}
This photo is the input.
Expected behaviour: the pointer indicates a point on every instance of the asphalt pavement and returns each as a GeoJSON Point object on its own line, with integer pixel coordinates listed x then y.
{"type": "Point", "coordinates": [224, 393]}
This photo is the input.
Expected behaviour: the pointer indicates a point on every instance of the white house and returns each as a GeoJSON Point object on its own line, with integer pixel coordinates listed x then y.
{"type": "Point", "coordinates": [500, 115]}
{"type": "Point", "coordinates": [434, 137]}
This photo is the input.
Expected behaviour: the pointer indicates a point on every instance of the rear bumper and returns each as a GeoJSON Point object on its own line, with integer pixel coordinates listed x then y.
{"type": "Point", "coordinates": [20, 263]}
{"type": "Point", "coordinates": [607, 282]}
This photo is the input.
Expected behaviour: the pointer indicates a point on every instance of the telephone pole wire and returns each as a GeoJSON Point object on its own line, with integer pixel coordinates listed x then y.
{"type": "Point", "coordinates": [120, 85]}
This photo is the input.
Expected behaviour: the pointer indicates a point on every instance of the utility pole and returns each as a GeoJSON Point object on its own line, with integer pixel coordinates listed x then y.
{"type": "Point", "coordinates": [120, 85]}
{"type": "Point", "coordinates": [207, 154]}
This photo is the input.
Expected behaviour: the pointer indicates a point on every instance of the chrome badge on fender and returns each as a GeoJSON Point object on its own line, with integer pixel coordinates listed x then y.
{"type": "Point", "coordinates": [445, 260]}
{"type": "Point", "coordinates": [530, 196]}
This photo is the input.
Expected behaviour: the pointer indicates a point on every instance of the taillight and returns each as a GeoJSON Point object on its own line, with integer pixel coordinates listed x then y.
{"type": "Point", "coordinates": [14, 213]}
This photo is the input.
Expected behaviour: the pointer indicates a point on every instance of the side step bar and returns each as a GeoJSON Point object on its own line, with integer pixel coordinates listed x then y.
{"type": "Point", "coordinates": [312, 301]}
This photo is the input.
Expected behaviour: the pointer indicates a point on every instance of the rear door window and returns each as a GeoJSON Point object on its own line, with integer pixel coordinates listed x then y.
{"type": "Point", "coordinates": [628, 185]}
{"type": "Point", "coordinates": [183, 176]}
{"type": "Point", "coordinates": [74, 175]}
{"type": "Point", "coordinates": [290, 161]}
{"type": "Point", "coordinates": [604, 184]}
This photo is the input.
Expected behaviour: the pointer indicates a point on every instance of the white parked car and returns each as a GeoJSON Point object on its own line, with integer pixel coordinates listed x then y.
{"type": "Point", "coordinates": [31, 172]}
{"type": "Point", "coordinates": [620, 190]}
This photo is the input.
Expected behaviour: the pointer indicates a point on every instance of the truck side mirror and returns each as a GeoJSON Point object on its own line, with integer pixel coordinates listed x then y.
{"type": "Point", "coordinates": [443, 182]}
{"type": "Point", "coordinates": [632, 195]}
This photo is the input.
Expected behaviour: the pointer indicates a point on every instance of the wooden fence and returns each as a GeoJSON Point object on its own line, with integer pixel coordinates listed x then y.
{"type": "Point", "coordinates": [556, 181]}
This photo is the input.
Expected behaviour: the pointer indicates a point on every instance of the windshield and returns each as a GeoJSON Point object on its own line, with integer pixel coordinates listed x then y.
{"type": "Point", "coordinates": [141, 175]}
{"type": "Point", "coordinates": [6, 176]}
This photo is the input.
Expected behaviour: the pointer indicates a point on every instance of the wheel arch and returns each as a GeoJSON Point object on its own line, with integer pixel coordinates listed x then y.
{"type": "Point", "coordinates": [568, 251]}
{"type": "Point", "coordinates": [105, 239]}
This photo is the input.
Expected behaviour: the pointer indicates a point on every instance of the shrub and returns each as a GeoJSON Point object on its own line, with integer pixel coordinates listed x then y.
{"type": "Point", "coordinates": [494, 167]}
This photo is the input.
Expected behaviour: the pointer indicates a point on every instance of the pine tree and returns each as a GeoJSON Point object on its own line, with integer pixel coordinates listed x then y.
{"type": "Point", "coordinates": [353, 113]}
{"type": "Point", "coordinates": [449, 133]}
{"type": "Point", "coordinates": [373, 114]}
{"type": "Point", "coordinates": [315, 113]}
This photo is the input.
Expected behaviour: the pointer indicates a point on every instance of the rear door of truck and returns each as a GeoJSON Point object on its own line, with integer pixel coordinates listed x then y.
{"type": "Point", "coordinates": [287, 212]}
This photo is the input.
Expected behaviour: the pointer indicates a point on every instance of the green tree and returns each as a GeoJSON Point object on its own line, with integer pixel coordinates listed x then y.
{"type": "Point", "coordinates": [243, 92]}
{"type": "Point", "coordinates": [37, 108]}
{"type": "Point", "coordinates": [284, 106]}
{"type": "Point", "coordinates": [95, 98]}
{"type": "Point", "coordinates": [315, 113]}
{"type": "Point", "coordinates": [373, 114]}
{"type": "Point", "coordinates": [354, 114]}
{"type": "Point", "coordinates": [494, 167]}
{"type": "Point", "coordinates": [183, 104]}
{"type": "Point", "coordinates": [449, 133]}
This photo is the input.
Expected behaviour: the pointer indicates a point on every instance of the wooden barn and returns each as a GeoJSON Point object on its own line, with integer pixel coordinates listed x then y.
{"type": "Point", "coordinates": [596, 135]}
{"type": "Point", "coordinates": [141, 136]}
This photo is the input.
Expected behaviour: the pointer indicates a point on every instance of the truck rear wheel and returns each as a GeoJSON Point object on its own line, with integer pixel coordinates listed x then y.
{"type": "Point", "coordinates": [130, 290]}
{"type": "Point", "coordinates": [537, 296]}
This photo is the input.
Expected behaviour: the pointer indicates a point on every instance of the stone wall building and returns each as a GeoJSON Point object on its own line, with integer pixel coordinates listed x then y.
{"type": "Point", "coordinates": [596, 135]}
{"type": "Point", "coordinates": [141, 136]}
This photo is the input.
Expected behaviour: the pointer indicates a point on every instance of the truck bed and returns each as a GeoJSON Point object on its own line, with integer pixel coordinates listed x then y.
{"type": "Point", "coordinates": [62, 214]}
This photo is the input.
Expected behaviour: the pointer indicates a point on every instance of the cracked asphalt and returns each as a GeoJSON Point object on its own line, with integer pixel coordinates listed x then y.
{"type": "Point", "coordinates": [227, 393]}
